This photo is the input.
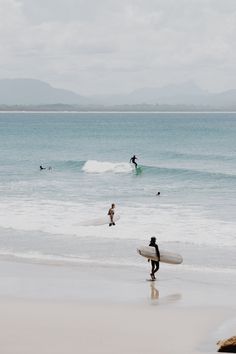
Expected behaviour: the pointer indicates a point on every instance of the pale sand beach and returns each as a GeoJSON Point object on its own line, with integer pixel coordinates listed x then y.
{"type": "Point", "coordinates": [63, 327]}
{"type": "Point", "coordinates": [56, 309]}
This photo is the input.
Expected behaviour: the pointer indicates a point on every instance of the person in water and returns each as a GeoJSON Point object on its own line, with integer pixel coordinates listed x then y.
{"type": "Point", "coordinates": [154, 264]}
{"type": "Point", "coordinates": [111, 213]}
{"type": "Point", "coordinates": [133, 158]}
{"type": "Point", "coordinates": [158, 194]}
{"type": "Point", "coordinates": [49, 168]}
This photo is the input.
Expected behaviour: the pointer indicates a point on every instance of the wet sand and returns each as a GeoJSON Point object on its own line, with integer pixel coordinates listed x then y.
{"type": "Point", "coordinates": [55, 309]}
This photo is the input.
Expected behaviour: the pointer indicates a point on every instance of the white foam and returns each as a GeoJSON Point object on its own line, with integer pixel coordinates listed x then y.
{"type": "Point", "coordinates": [38, 257]}
{"type": "Point", "coordinates": [93, 166]}
{"type": "Point", "coordinates": [100, 221]}
{"type": "Point", "coordinates": [140, 222]}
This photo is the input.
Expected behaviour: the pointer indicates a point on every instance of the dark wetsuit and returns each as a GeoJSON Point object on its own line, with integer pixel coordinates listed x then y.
{"type": "Point", "coordinates": [133, 160]}
{"type": "Point", "coordinates": [155, 264]}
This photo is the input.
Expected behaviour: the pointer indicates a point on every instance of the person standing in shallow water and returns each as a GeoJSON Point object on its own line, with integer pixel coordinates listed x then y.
{"type": "Point", "coordinates": [154, 264]}
{"type": "Point", "coordinates": [111, 213]}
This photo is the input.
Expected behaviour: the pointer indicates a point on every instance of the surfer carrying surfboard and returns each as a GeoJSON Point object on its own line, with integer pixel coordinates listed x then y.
{"type": "Point", "coordinates": [133, 158]}
{"type": "Point", "coordinates": [111, 213]}
{"type": "Point", "coordinates": [154, 264]}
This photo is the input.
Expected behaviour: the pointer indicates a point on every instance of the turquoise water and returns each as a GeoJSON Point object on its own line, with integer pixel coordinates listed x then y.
{"type": "Point", "coordinates": [189, 158]}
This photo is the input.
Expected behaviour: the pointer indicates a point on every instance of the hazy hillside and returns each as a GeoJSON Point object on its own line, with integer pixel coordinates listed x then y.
{"type": "Point", "coordinates": [29, 91]}
{"type": "Point", "coordinates": [36, 92]}
{"type": "Point", "coordinates": [187, 93]}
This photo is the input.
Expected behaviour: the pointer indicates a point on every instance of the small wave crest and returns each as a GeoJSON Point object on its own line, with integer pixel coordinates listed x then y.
{"type": "Point", "coordinates": [189, 172]}
{"type": "Point", "coordinates": [71, 165]}
{"type": "Point", "coordinates": [93, 166]}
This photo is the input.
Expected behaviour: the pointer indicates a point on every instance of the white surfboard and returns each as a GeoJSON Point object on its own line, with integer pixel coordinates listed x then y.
{"type": "Point", "coordinates": [165, 256]}
{"type": "Point", "coordinates": [100, 221]}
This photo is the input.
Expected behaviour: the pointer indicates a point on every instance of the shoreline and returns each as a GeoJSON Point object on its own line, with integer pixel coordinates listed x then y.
{"type": "Point", "coordinates": [126, 284]}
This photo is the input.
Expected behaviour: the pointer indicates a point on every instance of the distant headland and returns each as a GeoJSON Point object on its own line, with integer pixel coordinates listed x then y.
{"type": "Point", "coordinates": [30, 95]}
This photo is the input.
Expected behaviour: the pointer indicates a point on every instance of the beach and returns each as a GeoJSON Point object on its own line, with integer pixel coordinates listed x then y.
{"type": "Point", "coordinates": [57, 309]}
{"type": "Point", "coordinates": [68, 327]}
{"type": "Point", "coordinates": [69, 282]}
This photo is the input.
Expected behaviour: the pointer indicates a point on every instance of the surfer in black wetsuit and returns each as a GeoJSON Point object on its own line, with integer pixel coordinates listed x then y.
{"type": "Point", "coordinates": [133, 158]}
{"type": "Point", "coordinates": [45, 168]}
{"type": "Point", "coordinates": [154, 264]}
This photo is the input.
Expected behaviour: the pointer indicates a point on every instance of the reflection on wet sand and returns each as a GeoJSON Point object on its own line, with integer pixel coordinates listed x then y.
{"type": "Point", "coordinates": [170, 299]}
{"type": "Point", "coordinates": [155, 296]}
{"type": "Point", "coordinates": [154, 292]}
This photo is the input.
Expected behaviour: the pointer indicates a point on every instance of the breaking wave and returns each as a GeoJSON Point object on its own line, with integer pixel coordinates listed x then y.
{"type": "Point", "coordinates": [99, 167]}
{"type": "Point", "coordinates": [93, 166]}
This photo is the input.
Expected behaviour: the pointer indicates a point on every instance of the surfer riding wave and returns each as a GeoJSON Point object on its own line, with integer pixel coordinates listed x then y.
{"type": "Point", "coordinates": [132, 159]}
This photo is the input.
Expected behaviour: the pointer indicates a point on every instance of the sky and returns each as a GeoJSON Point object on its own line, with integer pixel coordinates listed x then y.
{"type": "Point", "coordinates": [114, 46]}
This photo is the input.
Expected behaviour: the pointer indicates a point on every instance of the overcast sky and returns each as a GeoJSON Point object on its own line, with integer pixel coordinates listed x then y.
{"type": "Point", "coordinates": [115, 46]}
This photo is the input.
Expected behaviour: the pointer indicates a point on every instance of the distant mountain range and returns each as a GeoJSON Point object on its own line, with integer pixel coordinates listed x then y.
{"type": "Point", "coordinates": [187, 93]}
{"type": "Point", "coordinates": [36, 92]}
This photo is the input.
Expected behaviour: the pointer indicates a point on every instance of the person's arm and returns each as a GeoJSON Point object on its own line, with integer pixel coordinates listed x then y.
{"type": "Point", "coordinates": [157, 252]}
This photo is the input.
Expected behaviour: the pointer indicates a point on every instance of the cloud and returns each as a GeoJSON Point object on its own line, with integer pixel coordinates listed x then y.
{"type": "Point", "coordinates": [111, 46]}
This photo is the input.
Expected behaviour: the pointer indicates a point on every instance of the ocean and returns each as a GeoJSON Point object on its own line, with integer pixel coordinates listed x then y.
{"type": "Point", "coordinates": [49, 216]}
